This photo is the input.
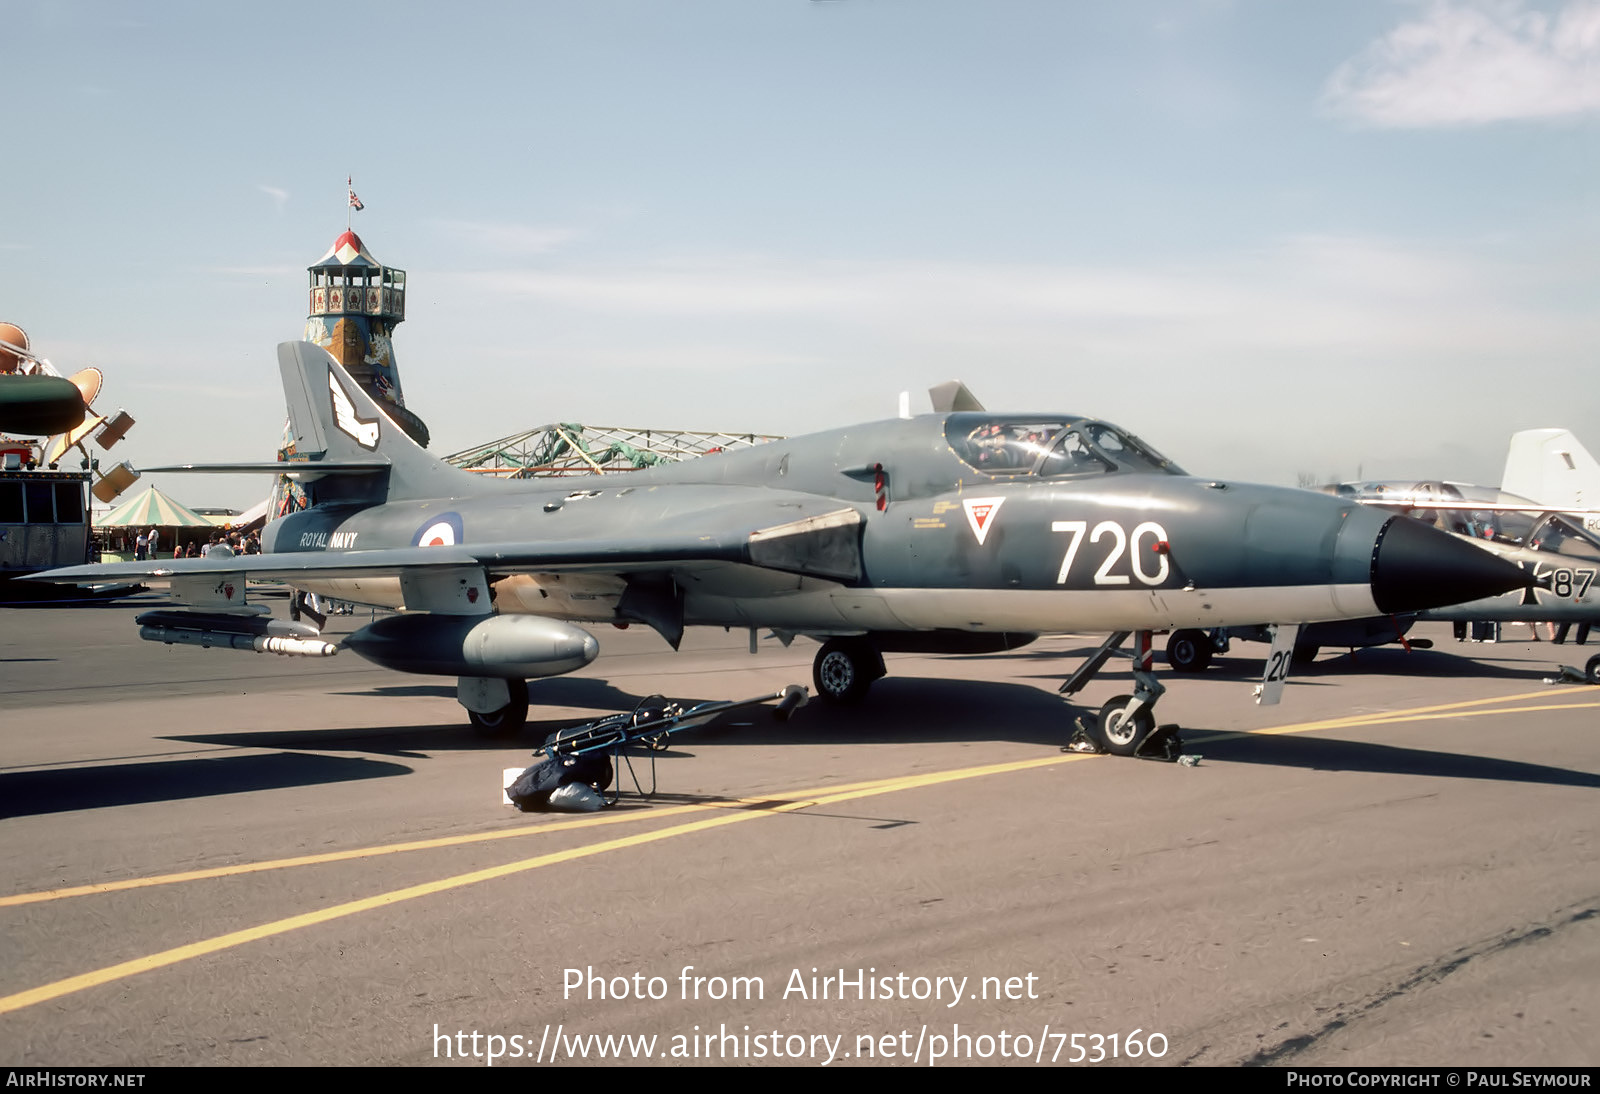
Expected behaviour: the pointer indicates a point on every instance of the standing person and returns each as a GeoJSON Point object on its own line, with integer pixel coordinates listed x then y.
{"type": "Point", "coordinates": [141, 545]}
{"type": "Point", "coordinates": [155, 543]}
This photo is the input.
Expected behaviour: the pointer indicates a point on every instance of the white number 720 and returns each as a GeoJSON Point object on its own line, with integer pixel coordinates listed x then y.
{"type": "Point", "coordinates": [1119, 546]}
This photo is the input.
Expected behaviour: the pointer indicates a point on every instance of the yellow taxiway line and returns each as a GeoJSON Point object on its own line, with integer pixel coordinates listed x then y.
{"type": "Point", "coordinates": [731, 812]}
{"type": "Point", "coordinates": [770, 807]}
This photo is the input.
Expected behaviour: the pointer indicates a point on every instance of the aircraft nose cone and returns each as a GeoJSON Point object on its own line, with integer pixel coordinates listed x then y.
{"type": "Point", "coordinates": [1415, 567]}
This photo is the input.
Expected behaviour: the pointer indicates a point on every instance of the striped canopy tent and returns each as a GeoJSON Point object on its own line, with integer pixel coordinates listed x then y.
{"type": "Point", "coordinates": [151, 507]}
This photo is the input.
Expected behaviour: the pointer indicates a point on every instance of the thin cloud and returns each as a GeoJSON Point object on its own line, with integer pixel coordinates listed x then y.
{"type": "Point", "coordinates": [1297, 295]}
{"type": "Point", "coordinates": [279, 197]}
{"type": "Point", "coordinates": [259, 271]}
{"type": "Point", "coordinates": [1474, 63]}
{"type": "Point", "coordinates": [506, 237]}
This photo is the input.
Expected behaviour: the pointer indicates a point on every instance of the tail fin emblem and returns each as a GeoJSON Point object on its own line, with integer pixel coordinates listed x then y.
{"type": "Point", "coordinates": [364, 431]}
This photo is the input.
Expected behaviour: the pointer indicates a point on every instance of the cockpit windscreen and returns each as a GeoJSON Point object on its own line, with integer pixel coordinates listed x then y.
{"type": "Point", "coordinates": [1049, 448]}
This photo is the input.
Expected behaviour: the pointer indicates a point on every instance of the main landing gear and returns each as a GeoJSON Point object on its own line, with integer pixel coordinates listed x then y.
{"type": "Point", "coordinates": [845, 668]}
{"type": "Point", "coordinates": [1126, 725]}
{"type": "Point", "coordinates": [506, 720]}
{"type": "Point", "coordinates": [1190, 651]}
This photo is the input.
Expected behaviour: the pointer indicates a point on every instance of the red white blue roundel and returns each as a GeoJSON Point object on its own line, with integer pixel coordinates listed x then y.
{"type": "Point", "coordinates": [442, 531]}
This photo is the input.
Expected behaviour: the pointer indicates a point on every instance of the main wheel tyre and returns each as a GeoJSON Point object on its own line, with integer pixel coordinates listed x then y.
{"type": "Point", "coordinates": [509, 719]}
{"type": "Point", "coordinates": [1592, 669]}
{"type": "Point", "coordinates": [844, 669]}
{"type": "Point", "coordinates": [1119, 734]}
{"type": "Point", "coordinates": [1304, 655]}
{"type": "Point", "coordinates": [1189, 651]}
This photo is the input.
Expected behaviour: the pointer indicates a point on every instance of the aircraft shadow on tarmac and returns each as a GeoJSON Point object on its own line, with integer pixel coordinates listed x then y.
{"type": "Point", "coordinates": [899, 710]}
{"type": "Point", "coordinates": [925, 711]}
{"type": "Point", "coordinates": [29, 793]}
{"type": "Point", "coordinates": [559, 691]}
{"type": "Point", "coordinates": [1375, 660]}
{"type": "Point", "coordinates": [1333, 754]}
{"type": "Point", "coordinates": [1433, 664]}
{"type": "Point", "coordinates": [909, 710]}
{"type": "Point", "coordinates": [416, 741]}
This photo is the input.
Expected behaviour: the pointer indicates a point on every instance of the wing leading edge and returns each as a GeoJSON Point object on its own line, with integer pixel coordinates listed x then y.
{"type": "Point", "coordinates": [826, 545]}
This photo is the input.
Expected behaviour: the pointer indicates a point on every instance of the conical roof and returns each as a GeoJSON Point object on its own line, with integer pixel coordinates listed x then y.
{"type": "Point", "coordinates": [151, 507]}
{"type": "Point", "coordinates": [347, 250]}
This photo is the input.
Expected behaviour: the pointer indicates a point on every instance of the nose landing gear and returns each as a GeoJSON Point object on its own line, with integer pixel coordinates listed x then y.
{"type": "Point", "coordinates": [1126, 725]}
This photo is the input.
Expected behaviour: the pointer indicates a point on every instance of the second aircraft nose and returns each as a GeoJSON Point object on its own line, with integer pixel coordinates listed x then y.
{"type": "Point", "coordinates": [1415, 567]}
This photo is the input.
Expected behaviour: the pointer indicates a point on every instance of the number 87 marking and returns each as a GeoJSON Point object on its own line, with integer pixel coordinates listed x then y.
{"type": "Point", "coordinates": [1104, 576]}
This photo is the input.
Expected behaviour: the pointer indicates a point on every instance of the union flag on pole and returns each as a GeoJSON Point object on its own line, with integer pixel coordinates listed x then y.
{"type": "Point", "coordinates": [355, 202]}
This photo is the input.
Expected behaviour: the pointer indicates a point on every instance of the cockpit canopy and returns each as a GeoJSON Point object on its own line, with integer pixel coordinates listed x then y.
{"type": "Point", "coordinates": [1482, 512]}
{"type": "Point", "coordinates": [1047, 447]}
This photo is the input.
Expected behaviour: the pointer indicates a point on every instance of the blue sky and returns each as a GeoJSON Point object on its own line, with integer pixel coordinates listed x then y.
{"type": "Point", "coordinates": [1270, 236]}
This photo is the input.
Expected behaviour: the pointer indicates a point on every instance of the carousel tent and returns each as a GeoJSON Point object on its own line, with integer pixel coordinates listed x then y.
{"type": "Point", "coordinates": [151, 507]}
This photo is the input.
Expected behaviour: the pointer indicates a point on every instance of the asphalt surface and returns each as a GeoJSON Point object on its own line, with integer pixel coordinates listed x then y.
{"type": "Point", "coordinates": [216, 857]}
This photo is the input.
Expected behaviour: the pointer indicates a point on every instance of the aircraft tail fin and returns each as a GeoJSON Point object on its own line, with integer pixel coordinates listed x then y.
{"type": "Point", "coordinates": [952, 395]}
{"type": "Point", "coordinates": [1550, 467]}
{"type": "Point", "coordinates": [335, 421]}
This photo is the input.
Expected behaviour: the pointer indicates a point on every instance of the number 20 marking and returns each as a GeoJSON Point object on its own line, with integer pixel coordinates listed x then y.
{"type": "Point", "coordinates": [1119, 546]}
{"type": "Point", "coordinates": [1278, 668]}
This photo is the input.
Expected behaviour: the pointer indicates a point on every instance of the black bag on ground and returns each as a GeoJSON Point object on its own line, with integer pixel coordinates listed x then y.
{"type": "Point", "coordinates": [532, 788]}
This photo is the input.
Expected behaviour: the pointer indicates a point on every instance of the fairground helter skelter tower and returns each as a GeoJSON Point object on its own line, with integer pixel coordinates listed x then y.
{"type": "Point", "coordinates": [355, 303]}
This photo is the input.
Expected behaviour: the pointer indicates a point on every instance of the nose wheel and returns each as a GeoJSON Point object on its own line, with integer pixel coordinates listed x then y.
{"type": "Point", "coordinates": [1122, 728]}
{"type": "Point", "coordinates": [1126, 725]}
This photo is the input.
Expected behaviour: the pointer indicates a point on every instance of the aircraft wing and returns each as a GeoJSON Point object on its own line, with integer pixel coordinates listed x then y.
{"type": "Point", "coordinates": [825, 544]}
{"type": "Point", "coordinates": [281, 566]}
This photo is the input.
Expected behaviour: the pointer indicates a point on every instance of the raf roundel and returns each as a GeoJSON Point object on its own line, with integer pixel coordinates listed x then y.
{"type": "Point", "coordinates": [443, 531]}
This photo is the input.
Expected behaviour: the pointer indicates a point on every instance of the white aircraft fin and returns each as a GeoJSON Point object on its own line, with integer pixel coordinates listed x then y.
{"type": "Point", "coordinates": [952, 395]}
{"type": "Point", "coordinates": [1550, 467]}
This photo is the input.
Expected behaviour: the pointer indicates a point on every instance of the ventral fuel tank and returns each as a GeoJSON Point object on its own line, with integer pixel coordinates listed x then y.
{"type": "Point", "coordinates": [509, 646]}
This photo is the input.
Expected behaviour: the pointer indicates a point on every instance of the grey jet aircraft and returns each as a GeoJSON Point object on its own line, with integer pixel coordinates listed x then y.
{"type": "Point", "coordinates": [957, 532]}
{"type": "Point", "coordinates": [1558, 551]}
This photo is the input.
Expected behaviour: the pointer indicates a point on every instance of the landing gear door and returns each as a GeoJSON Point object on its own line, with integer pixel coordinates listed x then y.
{"type": "Point", "coordinates": [1277, 671]}
{"type": "Point", "coordinates": [213, 592]}
{"type": "Point", "coordinates": [450, 590]}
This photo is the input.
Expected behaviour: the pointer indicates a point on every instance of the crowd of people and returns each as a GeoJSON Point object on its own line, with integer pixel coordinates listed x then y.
{"type": "Point", "coordinates": [147, 545]}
